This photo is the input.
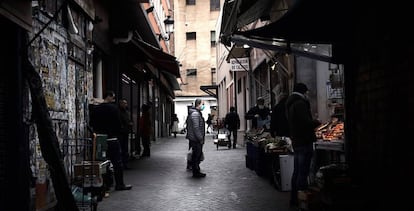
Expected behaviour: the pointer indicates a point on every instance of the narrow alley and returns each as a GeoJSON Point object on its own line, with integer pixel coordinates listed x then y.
{"type": "Point", "coordinates": [161, 182]}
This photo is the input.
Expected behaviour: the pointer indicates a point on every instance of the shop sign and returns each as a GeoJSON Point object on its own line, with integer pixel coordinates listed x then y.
{"type": "Point", "coordinates": [240, 64]}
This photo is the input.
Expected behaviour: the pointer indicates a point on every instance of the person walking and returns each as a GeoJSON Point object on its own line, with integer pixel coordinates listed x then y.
{"type": "Point", "coordinates": [278, 120]}
{"type": "Point", "coordinates": [209, 122]}
{"type": "Point", "coordinates": [302, 133]}
{"type": "Point", "coordinates": [145, 129]}
{"type": "Point", "coordinates": [105, 119]}
{"type": "Point", "coordinates": [126, 127]}
{"type": "Point", "coordinates": [196, 135]}
{"type": "Point", "coordinates": [232, 123]}
{"type": "Point", "coordinates": [259, 114]}
{"type": "Point", "coordinates": [174, 125]}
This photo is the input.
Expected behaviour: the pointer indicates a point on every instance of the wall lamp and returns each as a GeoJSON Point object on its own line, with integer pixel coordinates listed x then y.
{"type": "Point", "coordinates": [169, 20]}
{"type": "Point", "coordinates": [149, 9]}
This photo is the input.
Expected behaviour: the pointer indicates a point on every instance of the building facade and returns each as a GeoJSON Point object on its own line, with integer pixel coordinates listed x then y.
{"type": "Point", "coordinates": [195, 49]}
{"type": "Point", "coordinates": [61, 57]}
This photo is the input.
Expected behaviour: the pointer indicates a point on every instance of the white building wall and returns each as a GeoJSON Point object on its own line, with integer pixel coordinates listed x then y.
{"type": "Point", "coordinates": [181, 104]}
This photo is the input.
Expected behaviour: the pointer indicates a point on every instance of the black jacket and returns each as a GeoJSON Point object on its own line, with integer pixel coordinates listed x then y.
{"type": "Point", "coordinates": [279, 123]}
{"type": "Point", "coordinates": [106, 119]}
{"type": "Point", "coordinates": [301, 124]}
{"type": "Point", "coordinates": [263, 113]}
{"type": "Point", "coordinates": [232, 121]}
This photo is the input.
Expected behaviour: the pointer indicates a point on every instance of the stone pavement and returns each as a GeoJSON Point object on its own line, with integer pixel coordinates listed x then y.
{"type": "Point", "coordinates": [162, 183]}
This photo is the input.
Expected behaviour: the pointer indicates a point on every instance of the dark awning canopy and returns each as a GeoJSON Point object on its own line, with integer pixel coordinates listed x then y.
{"type": "Point", "coordinates": [238, 13]}
{"type": "Point", "coordinates": [129, 15]}
{"type": "Point", "coordinates": [158, 58]}
{"type": "Point", "coordinates": [172, 80]}
{"type": "Point", "coordinates": [210, 90]}
{"type": "Point", "coordinates": [237, 52]}
{"type": "Point", "coordinates": [305, 21]}
{"type": "Point", "coordinates": [17, 11]}
{"type": "Point", "coordinates": [309, 21]}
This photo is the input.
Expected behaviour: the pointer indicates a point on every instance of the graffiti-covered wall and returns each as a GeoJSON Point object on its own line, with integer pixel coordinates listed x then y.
{"type": "Point", "coordinates": [62, 60]}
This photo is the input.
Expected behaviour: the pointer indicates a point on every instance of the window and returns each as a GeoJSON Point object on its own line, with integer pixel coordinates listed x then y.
{"type": "Point", "coordinates": [213, 38]}
{"type": "Point", "coordinates": [191, 72]}
{"type": "Point", "coordinates": [191, 35]}
{"type": "Point", "coordinates": [214, 5]}
{"type": "Point", "coordinates": [213, 78]}
{"type": "Point", "coordinates": [190, 2]}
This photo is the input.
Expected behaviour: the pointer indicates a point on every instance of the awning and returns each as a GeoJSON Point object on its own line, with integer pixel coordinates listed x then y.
{"type": "Point", "coordinates": [297, 49]}
{"type": "Point", "coordinates": [305, 21]}
{"type": "Point", "coordinates": [18, 11]}
{"type": "Point", "coordinates": [308, 21]}
{"type": "Point", "coordinates": [210, 90]}
{"type": "Point", "coordinates": [168, 81]}
{"type": "Point", "coordinates": [237, 52]}
{"type": "Point", "coordinates": [172, 80]}
{"type": "Point", "coordinates": [129, 15]}
{"type": "Point", "coordinates": [238, 13]}
{"type": "Point", "coordinates": [159, 58]}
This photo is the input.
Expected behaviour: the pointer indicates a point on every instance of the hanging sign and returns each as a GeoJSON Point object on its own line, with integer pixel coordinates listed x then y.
{"type": "Point", "coordinates": [240, 64]}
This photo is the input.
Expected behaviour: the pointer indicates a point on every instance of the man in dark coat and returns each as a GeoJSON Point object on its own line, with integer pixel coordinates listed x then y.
{"type": "Point", "coordinates": [196, 135]}
{"type": "Point", "coordinates": [278, 122]}
{"type": "Point", "coordinates": [302, 133]}
{"type": "Point", "coordinates": [232, 123]}
{"type": "Point", "coordinates": [105, 119]}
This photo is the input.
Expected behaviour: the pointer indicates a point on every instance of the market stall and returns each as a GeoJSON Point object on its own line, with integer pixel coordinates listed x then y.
{"type": "Point", "coordinates": [270, 157]}
{"type": "Point", "coordinates": [329, 147]}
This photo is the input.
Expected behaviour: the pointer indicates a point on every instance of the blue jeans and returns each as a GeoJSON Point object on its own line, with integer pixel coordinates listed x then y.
{"type": "Point", "coordinates": [301, 167]}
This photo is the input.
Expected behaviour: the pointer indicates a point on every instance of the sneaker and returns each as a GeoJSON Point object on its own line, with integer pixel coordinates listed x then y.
{"type": "Point", "coordinates": [199, 175]}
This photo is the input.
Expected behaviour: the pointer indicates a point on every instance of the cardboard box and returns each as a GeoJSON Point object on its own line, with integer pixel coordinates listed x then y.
{"type": "Point", "coordinates": [286, 171]}
{"type": "Point", "coordinates": [90, 168]}
{"type": "Point", "coordinates": [310, 199]}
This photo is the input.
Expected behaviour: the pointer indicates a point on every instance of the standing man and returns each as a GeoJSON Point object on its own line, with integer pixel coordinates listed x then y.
{"type": "Point", "coordinates": [126, 126]}
{"type": "Point", "coordinates": [105, 119]}
{"type": "Point", "coordinates": [278, 122]}
{"type": "Point", "coordinates": [302, 133]}
{"type": "Point", "coordinates": [259, 114]}
{"type": "Point", "coordinates": [145, 129]}
{"type": "Point", "coordinates": [232, 123]}
{"type": "Point", "coordinates": [195, 135]}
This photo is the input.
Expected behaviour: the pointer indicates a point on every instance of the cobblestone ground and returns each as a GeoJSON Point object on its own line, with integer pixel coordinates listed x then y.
{"type": "Point", "coordinates": [162, 183]}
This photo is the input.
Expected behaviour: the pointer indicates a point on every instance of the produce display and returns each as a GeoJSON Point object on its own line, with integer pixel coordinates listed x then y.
{"type": "Point", "coordinates": [332, 130]}
{"type": "Point", "coordinates": [265, 140]}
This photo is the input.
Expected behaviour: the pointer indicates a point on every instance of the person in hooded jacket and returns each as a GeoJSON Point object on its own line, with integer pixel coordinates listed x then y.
{"type": "Point", "coordinates": [302, 133]}
{"type": "Point", "coordinates": [196, 135]}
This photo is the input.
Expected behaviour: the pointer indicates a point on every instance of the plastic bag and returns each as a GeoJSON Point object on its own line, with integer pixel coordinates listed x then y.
{"type": "Point", "coordinates": [190, 154]}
